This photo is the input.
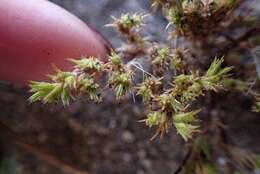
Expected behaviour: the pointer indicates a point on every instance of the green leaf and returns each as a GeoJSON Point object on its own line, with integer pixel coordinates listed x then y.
{"type": "Point", "coordinates": [235, 84]}
{"type": "Point", "coordinates": [130, 20]}
{"type": "Point", "coordinates": [121, 83]}
{"type": "Point", "coordinates": [70, 82]}
{"type": "Point", "coordinates": [145, 92]}
{"type": "Point", "coordinates": [41, 90]}
{"type": "Point", "coordinates": [115, 59]}
{"type": "Point", "coordinates": [192, 92]}
{"type": "Point", "coordinates": [65, 97]}
{"type": "Point", "coordinates": [153, 118]}
{"type": "Point", "coordinates": [54, 95]}
{"type": "Point", "coordinates": [41, 86]}
{"type": "Point", "coordinates": [36, 97]}
{"type": "Point", "coordinates": [88, 64]}
{"type": "Point", "coordinates": [188, 117]}
{"type": "Point", "coordinates": [162, 55]}
{"type": "Point", "coordinates": [90, 87]}
{"type": "Point", "coordinates": [175, 17]}
{"type": "Point", "coordinates": [183, 79]}
{"type": "Point", "coordinates": [216, 70]}
{"type": "Point", "coordinates": [186, 130]}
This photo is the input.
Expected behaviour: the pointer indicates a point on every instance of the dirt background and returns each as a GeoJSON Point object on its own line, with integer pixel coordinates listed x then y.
{"type": "Point", "coordinates": [104, 138]}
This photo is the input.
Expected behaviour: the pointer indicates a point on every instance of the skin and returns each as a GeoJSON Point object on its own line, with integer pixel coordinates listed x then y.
{"type": "Point", "coordinates": [36, 34]}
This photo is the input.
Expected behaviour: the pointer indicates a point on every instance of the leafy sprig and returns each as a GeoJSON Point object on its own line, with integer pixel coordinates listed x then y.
{"type": "Point", "coordinates": [65, 86]}
{"type": "Point", "coordinates": [167, 106]}
{"type": "Point", "coordinates": [171, 104]}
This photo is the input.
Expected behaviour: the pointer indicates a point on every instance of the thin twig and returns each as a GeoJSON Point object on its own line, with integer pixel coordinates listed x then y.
{"type": "Point", "coordinates": [184, 162]}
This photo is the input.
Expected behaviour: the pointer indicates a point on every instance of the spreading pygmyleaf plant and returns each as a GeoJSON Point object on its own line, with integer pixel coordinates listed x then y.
{"type": "Point", "coordinates": [166, 107]}
{"type": "Point", "coordinates": [172, 85]}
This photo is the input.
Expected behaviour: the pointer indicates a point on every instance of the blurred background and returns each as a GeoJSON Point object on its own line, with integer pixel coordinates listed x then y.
{"type": "Point", "coordinates": [102, 138]}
